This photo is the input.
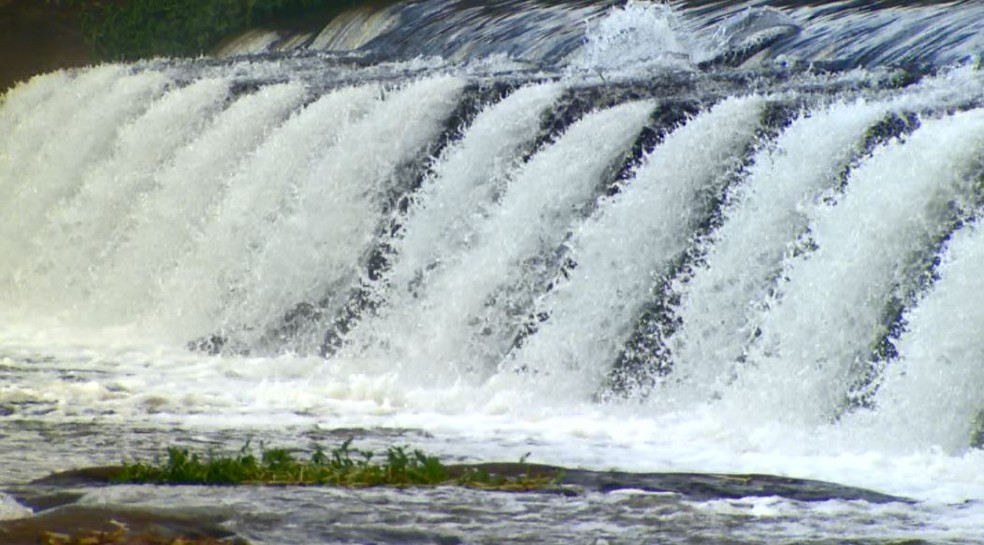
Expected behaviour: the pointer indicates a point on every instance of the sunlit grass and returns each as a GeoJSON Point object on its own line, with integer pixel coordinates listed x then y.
{"type": "Point", "coordinates": [342, 466]}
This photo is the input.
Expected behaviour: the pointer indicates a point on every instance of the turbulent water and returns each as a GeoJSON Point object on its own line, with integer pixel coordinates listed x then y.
{"type": "Point", "coordinates": [651, 237]}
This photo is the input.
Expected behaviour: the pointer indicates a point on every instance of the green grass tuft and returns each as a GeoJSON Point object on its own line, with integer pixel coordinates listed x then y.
{"type": "Point", "coordinates": [341, 466]}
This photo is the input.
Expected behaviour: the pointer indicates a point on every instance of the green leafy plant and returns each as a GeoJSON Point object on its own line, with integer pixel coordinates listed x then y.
{"type": "Point", "coordinates": [341, 466]}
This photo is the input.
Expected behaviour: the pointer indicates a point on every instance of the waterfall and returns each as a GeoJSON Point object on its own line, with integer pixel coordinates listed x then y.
{"type": "Point", "coordinates": [32, 112]}
{"type": "Point", "coordinates": [79, 227]}
{"type": "Point", "coordinates": [763, 220]}
{"type": "Point", "coordinates": [931, 394]}
{"type": "Point", "coordinates": [257, 197]}
{"type": "Point", "coordinates": [870, 248]}
{"type": "Point", "coordinates": [684, 206]}
{"type": "Point", "coordinates": [463, 185]}
{"type": "Point", "coordinates": [165, 219]}
{"type": "Point", "coordinates": [18, 102]}
{"type": "Point", "coordinates": [319, 244]}
{"type": "Point", "coordinates": [45, 174]}
{"type": "Point", "coordinates": [620, 251]}
{"type": "Point", "coordinates": [469, 308]}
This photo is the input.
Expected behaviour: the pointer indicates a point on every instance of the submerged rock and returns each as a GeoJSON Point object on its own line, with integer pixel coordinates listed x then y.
{"type": "Point", "coordinates": [692, 486]}
{"type": "Point", "coordinates": [114, 525]}
{"type": "Point", "coordinates": [61, 521]}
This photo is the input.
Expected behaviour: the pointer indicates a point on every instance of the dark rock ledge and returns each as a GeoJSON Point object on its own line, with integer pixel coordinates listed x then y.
{"type": "Point", "coordinates": [113, 525]}
{"type": "Point", "coordinates": [58, 516]}
{"type": "Point", "coordinates": [691, 486]}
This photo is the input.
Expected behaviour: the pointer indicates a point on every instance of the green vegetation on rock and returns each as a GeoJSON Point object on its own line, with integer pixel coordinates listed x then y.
{"type": "Point", "coordinates": [342, 466]}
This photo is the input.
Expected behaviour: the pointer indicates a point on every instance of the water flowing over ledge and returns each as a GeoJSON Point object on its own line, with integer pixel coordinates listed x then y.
{"type": "Point", "coordinates": [843, 34]}
{"type": "Point", "coordinates": [683, 237]}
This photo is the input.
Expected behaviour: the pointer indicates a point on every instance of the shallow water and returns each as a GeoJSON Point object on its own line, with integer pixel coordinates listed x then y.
{"type": "Point", "coordinates": [90, 411]}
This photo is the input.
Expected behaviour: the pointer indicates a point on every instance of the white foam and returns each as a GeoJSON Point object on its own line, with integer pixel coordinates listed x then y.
{"type": "Point", "coordinates": [631, 241]}
{"type": "Point", "coordinates": [35, 130]}
{"type": "Point", "coordinates": [930, 395]}
{"type": "Point", "coordinates": [441, 335]}
{"type": "Point", "coordinates": [164, 223]}
{"type": "Point", "coordinates": [893, 211]}
{"type": "Point", "coordinates": [10, 509]}
{"type": "Point", "coordinates": [49, 171]}
{"type": "Point", "coordinates": [463, 186]}
{"type": "Point", "coordinates": [319, 244]}
{"type": "Point", "coordinates": [191, 303]}
{"type": "Point", "coordinates": [23, 101]}
{"type": "Point", "coordinates": [762, 221]}
{"type": "Point", "coordinates": [67, 248]}
{"type": "Point", "coordinates": [631, 40]}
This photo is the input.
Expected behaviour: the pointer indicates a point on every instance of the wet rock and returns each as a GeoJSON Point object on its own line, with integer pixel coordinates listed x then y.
{"type": "Point", "coordinates": [693, 486]}
{"type": "Point", "coordinates": [86, 476]}
{"type": "Point", "coordinates": [60, 516]}
{"type": "Point", "coordinates": [705, 486]}
{"type": "Point", "coordinates": [105, 525]}
{"type": "Point", "coordinates": [43, 499]}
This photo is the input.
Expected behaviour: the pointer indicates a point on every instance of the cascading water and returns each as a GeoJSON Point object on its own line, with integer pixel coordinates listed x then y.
{"type": "Point", "coordinates": [37, 180]}
{"type": "Point", "coordinates": [861, 262]}
{"type": "Point", "coordinates": [79, 231]}
{"type": "Point", "coordinates": [468, 305]}
{"type": "Point", "coordinates": [928, 390]}
{"type": "Point", "coordinates": [763, 219]}
{"type": "Point", "coordinates": [685, 236]}
{"type": "Point", "coordinates": [620, 251]}
{"type": "Point", "coordinates": [256, 197]}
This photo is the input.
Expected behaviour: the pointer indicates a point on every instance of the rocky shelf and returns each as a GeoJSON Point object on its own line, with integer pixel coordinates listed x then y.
{"type": "Point", "coordinates": [59, 520]}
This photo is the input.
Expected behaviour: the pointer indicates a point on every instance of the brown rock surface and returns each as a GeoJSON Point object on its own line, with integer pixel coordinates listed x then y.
{"type": "Point", "coordinates": [98, 525]}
